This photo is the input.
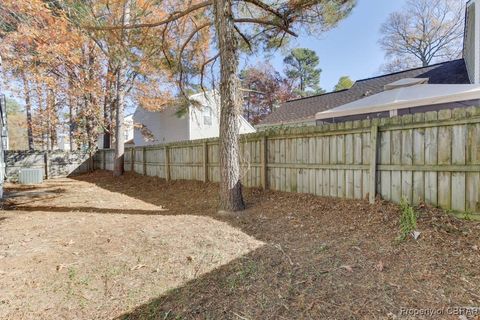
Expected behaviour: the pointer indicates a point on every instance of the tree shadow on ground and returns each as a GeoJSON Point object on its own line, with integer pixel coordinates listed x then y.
{"type": "Point", "coordinates": [324, 258]}
{"type": "Point", "coordinates": [84, 210]}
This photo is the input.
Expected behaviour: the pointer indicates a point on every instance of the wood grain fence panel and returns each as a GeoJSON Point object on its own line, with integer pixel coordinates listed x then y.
{"type": "Point", "coordinates": [305, 172]}
{"type": "Point", "coordinates": [341, 187]}
{"type": "Point", "coordinates": [366, 160]}
{"type": "Point", "coordinates": [459, 140]}
{"type": "Point", "coordinates": [357, 159]}
{"type": "Point", "coordinates": [326, 172]}
{"type": "Point", "coordinates": [432, 157]}
{"type": "Point", "coordinates": [473, 178]}
{"type": "Point", "coordinates": [385, 188]}
{"type": "Point", "coordinates": [288, 159]}
{"type": "Point", "coordinates": [312, 160]}
{"type": "Point", "coordinates": [418, 159]}
{"type": "Point", "coordinates": [407, 159]}
{"type": "Point", "coordinates": [444, 158]}
{"type": "Point", "coordinates": [333, 160]}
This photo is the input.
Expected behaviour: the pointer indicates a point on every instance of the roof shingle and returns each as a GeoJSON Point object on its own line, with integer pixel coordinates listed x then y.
{"type": "Point", "coordinates": [304, 109]}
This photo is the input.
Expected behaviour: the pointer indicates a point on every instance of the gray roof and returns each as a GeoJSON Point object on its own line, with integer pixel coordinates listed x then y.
{"type": "Point", "coordinates": [304, 109]}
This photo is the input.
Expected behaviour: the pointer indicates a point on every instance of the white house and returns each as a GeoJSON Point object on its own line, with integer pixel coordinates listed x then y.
{"type": "Point", "coordinates": [198, 122]}
{"type": "Point", "coordinates": [128, 127]}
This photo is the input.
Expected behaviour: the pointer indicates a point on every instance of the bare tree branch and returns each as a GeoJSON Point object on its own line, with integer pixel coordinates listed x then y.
{"type": "Point", "coordinates": [174, 16]}
{"type": "Point", "coordinates": [266, 22]}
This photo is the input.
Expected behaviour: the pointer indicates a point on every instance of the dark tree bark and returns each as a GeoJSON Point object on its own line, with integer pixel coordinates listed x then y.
{"type": "Point", "coordinates": [231, 198]}
{"type": "Point", "coordinates": [28, 109]}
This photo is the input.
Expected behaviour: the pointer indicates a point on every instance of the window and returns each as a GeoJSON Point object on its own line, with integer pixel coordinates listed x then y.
{"type": "Point", "coordinates": [207, 116]}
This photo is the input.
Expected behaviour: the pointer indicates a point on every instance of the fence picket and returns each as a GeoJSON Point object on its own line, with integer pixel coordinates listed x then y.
{"type": "Point", "coordinates": [432, 157]}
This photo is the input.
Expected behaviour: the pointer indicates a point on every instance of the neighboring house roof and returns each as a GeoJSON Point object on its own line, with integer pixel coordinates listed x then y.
{"type": "Point", "coordinates": [304, 109]}
{"type": "Point", "coordinates": [405, 98]}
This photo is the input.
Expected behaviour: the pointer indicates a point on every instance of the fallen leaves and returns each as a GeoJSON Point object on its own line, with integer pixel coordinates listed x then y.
{"type": "Point", "coordinates": [137, 267]}
{"type": "Point", "coordinates": [379, 266]}
{"type": "Point", "coordinates": [347, 267]}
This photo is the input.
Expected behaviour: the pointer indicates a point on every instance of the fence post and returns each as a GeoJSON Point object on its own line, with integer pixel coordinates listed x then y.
{"type": "Point", "coordinates": [167, 163]}
{"type": "Point", "coordinates": [144, 160]}
{"type": "Point", "coordinates": [45, 161]}
{"type": "Point", "coordinates": [104, 159]}
{"type": "Point", "coordinates": [132, 160]}
{"type": "Point", "coordinates": [263, 164]}
{"type": "Point", "coordinates": [373, 163]}
{"type": "Point", "coordinates": [205, 161]}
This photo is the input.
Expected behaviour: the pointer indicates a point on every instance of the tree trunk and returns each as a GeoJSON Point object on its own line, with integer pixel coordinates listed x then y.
{"type": "Point", "coordinates": [71, 115]}
{"type": "Point", "coordinates": [52, 118]}
{"type": "Point", "coordinates": [107, 110]}
{"type": "Point", "coordinates": [230, 186]}
{"type": "Point", "coordinates": [28, 109]}
{"type": "Point", "coordinates": [92, 103]}
{"type": "Point", "coordinates": [118, 167]}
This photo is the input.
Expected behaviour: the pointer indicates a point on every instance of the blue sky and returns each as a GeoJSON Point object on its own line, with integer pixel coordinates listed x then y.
{"type": "Point", "coordinates": [351, 48]}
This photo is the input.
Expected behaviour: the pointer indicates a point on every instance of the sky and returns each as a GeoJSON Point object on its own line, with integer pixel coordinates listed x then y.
{"type": "Point", "coordinates": [351, 48]}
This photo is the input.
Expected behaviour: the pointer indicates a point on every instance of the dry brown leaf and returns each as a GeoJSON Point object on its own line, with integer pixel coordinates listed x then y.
{"type": "Point", "coordinates": [348, 268]}
{"type": "Point", "coordinates": [379, 266]}
{"type": "Point", "coordinates": [138, 266]}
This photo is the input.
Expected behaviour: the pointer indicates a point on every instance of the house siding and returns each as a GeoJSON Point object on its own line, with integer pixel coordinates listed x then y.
{"type": "Point", "coordinates": [469, 43]}
{"type": "Point", "coordinates": [165, 127]}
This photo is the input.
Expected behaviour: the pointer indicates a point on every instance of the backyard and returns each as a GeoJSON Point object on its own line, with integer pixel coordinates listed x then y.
{"type": "Point", "coordinates": [138, 247]}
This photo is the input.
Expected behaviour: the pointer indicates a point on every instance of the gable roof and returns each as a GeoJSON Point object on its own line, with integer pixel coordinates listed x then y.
{"type": "Point", "coordinates": [304, 109]}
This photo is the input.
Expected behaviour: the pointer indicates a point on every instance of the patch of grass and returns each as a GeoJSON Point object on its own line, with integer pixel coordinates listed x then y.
{"type": "Point", "coordinates": [467, 215]}
{"type": "Point", "coordinates": [246, 270]}
{"type": "Point", "coordinates": [71, 273]}
{"type": "Point", "coordinates": [408, 220]}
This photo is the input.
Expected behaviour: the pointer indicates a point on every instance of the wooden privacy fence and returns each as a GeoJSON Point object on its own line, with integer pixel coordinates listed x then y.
{"type": "Point", "coordinates": [432, 157]}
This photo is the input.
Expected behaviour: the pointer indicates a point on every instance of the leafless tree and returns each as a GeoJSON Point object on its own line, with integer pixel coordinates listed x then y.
{"type": "Point", "coordinates": [425, 31]}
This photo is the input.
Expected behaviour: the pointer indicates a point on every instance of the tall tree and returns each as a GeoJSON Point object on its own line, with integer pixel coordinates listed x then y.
{"type": "Point", "coordinates": [43, 51]}
{"type": "Point", "coordinates": [249, 24]}
{"type": "Point", "coordinates": [343, 83]}
{"type": "Point", "coordinates": [263, 89]}
{"type": "Point", "coordinates": [301, 66]}
{"type": "Point", "coordinates": [131, 60]}
{"type": "Point", "coordinates": [17, 126]}
{"type": "Point", "coordinates": [425, 31]}
{"type": "Point", "coordinates": [28, 109]}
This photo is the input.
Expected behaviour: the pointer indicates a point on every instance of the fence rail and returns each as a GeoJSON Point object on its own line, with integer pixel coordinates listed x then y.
{"type": "Point", "coordinates": [432, 157]}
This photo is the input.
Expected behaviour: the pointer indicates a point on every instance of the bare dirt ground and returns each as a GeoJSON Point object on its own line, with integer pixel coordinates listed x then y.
{"type": "Point", "coordinates": [72, 250]}
{"type": "Point", "coordinates": [100, 247]}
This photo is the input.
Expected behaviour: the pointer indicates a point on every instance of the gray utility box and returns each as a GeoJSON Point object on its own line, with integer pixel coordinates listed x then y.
{"type": "Point", "coordinates": [30, 176]}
